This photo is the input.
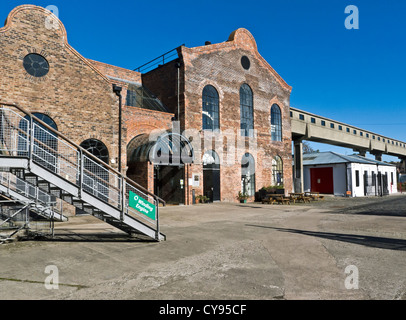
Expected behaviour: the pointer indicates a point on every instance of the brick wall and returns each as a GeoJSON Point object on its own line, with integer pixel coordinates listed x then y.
{"type": "Point", "coordinates": [117, 72]}
{"type": "Point", "coordinates": [163, 82]}
{"type": "Point", "coordinates": [76, 95]}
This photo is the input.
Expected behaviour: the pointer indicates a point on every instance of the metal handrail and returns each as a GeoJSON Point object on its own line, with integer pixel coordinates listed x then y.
{"type": "Point", "coordinates": [14, 214]}
{"type": "Point", "coordinates": [38, 196]}
{"type": "Point", "coordinates": [158, 59]}
{"type": "Point", "coordinates": [91, 156]}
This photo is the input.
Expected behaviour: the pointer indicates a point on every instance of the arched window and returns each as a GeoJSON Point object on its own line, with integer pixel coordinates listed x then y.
{"type": "Point", "coordinates": [96, 148]}
{"type": "Point", "coordinates": [210, 108]}
{"type": "Point", "coordinates": [246, 110]}
{"type": "Point", "coordinates": [44, 118]}
{"type": "Point", "coordinates": [96, 177]}
{"type": "Point", "coordinates": [276, 123]}
{"type": "Point", "coordinates": [45, 141]}
{"type": "Point", "coordinates": [248, 174]}
{"type": "Point", "coordinates": [277, 171]}
{"type": "Point", "coordinates": [42, 135]}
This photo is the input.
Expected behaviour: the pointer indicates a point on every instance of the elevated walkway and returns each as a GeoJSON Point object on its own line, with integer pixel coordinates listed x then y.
{"type": "Point", "coordinates": [51, 164]}
{"type": "Point", "coordinates": [312, 127]}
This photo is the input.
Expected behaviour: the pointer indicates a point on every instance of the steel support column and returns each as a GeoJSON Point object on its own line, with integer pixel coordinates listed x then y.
{"type": "Point", "coordinates": [402, 165]}
{"type": "Point", "coordinates": [378, 156]}
{"type": "Point", "coordinates": [298, 166]}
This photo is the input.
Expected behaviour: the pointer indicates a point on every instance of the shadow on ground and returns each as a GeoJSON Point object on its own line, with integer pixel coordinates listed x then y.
{"type": "Point", "coordinates": [86, 237]}
{"type": "Point", "coordinates": [370, 241]}
{"type": "Point", "coordinates": [388, 207]}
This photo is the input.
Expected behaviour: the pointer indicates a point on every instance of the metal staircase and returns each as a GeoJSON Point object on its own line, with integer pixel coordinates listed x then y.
{"type": "Point", "coordinates": [42, 158]}
{"type": "Point", "coordinates": [20, 191]}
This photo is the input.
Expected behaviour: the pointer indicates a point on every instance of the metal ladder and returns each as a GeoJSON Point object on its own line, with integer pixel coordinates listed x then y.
{"type": "Point", "coordinates": [49, 161]}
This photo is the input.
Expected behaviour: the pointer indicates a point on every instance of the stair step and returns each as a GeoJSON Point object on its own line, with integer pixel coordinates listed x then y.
{"type": "Point", "coordinates": [25, 175]}
{"type": "Point", "coordinates": [67, 198]}
{"type": "Point", "coordinates": [31, 179]}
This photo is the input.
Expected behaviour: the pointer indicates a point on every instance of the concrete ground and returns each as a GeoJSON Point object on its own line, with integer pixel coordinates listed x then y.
{"type": "Point", "coordinates": [223, 251]}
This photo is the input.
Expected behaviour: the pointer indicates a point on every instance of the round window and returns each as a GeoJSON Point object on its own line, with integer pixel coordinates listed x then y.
{"type": "Point", "coordinates": [36, 65]}
{"type": "Point", "coordinates": [245, 62]}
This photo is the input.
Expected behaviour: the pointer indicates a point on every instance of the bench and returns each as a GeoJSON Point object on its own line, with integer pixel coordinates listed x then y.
{"type": "Point", "coordinates": [279, 198]}
{"type": "Point", "coordinates": [305, 199]}
{"type": "Point", "coordinates": [268, 199]}
{"type": "Point", "coordinates": [292, 199]}
{"type": "Point", "coordinates": [299, 197]}
{"type": "Point", "coordinates": [314, 195]}
{"type": "Point", "coordinates": [283, 200]}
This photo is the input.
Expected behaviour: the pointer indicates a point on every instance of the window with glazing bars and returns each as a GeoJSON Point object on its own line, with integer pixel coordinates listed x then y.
{"type": "Point", "coordinates": [277, 171]}
{"type": "Point", "coordinates": [45, 141]}
{"type": "Point", "coordinates": [246, 110]}
{"type": "Point", "coordinates": [248, 174]}
{"type": "Point", "coordinates": [210, 108]}
{"type": "Point", "coordinates": [276, 123]}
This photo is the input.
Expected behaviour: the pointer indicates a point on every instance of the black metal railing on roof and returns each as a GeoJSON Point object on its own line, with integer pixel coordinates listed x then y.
{"type": "Point", "coordinates": [161, 60]}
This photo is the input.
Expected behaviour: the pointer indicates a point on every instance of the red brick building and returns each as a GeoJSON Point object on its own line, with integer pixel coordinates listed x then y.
{"type": "Point", "coordinates": [216, 89]}
{"type": "Point", "coordinates": [220, 89]}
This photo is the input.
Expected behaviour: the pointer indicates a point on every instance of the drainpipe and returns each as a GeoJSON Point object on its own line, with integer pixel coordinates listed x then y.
{"type": "Point", "coordinates": [117, 91]}
{"type": "Point", "coordinates": [178, 67]}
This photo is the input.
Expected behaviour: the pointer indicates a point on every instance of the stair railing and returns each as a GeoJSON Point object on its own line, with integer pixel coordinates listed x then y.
{"type": "Point", "coordinates": [23, 134]}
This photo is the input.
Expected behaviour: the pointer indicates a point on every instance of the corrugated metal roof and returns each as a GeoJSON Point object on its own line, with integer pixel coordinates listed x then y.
{"type": "Point", "coordinates": [330, 157]}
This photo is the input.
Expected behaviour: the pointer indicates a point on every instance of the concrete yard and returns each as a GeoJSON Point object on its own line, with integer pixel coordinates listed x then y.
{"type": "Point", "coordinates": [223, 251]}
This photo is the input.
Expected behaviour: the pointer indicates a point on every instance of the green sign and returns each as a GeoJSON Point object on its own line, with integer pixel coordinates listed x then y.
{"type": "Point", "coordinates": [142, 205]}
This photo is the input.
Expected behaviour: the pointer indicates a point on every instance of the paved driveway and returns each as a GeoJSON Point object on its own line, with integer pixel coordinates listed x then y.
{"type": "Point", "coordinates": [223, 251]}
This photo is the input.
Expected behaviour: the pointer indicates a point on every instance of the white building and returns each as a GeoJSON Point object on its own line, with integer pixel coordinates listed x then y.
{"type": "Point", "coordinates": [353, 175]}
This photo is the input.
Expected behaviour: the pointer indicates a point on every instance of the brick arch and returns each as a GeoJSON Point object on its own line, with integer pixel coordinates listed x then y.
{"type": "Point", "coordinates": [240, 84]}
{"type": "Point", "coordinates": [281, 105]}
{"type": "Point", "coordinates": [284, 108]}
{"type": "Point", "coordinates": [220, 92]}
{"type": "Point", "coordinates": [208, 82]}
{"type": "Point", "coordinates": [105, 145]}
{"type": "Point", "coordinates": [140, 128]}
{"type": "Point", "coordinates": [56, 120]}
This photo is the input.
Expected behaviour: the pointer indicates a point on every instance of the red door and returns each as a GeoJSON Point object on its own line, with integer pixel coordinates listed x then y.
{"type": "Point", "coordinates": [321, 180]}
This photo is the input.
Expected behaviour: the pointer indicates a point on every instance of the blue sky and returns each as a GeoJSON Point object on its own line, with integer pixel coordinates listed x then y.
{"type": "Point", "coordinates": [353, 76]}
